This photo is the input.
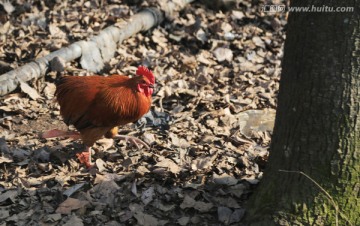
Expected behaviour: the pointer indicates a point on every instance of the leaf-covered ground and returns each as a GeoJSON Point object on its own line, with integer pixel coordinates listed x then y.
{"type": "Point", "coordinates": [217, 72]}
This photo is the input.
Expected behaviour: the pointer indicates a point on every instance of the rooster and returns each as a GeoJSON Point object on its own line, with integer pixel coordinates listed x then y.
{"type": "Point", "coordinates": [97, 105]}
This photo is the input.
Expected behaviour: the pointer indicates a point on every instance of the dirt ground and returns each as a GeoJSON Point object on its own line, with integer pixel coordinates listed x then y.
{"type": "Point", "coordinates": [217, 75]}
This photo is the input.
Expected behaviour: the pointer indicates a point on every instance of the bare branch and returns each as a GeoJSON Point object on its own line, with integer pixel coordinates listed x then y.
{"type": "Point", "coordinates": [94, 52]}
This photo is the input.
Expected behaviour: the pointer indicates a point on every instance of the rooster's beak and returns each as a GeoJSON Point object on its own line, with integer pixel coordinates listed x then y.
{"type": "Point", "coordinates": [151, 86]}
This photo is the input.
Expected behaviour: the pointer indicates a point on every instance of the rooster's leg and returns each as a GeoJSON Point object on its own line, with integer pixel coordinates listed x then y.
{"type": "Point", "coordinates": [85, 157]}
{"type": "Point", "coordinates": [60, 133]}
{"type": "Point", "coordinates": [132, 140]}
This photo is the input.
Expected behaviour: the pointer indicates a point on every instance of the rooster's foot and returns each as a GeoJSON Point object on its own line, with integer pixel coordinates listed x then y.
{"type": "Point", "coordinates": [85, 157]}
{"type": "Point", "coordinates": [133, 140]}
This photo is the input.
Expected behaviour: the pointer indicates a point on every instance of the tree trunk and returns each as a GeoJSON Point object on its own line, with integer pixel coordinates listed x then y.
{"type": "Point", "coordinates": [317, 125]}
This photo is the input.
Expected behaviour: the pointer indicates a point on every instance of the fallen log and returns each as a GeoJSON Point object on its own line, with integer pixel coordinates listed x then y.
{"type": "Point", "coordinates": [94, 52]}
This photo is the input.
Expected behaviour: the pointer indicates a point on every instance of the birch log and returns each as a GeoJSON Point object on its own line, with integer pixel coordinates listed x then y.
{"type": "Point", "coordinates": [94, 52]}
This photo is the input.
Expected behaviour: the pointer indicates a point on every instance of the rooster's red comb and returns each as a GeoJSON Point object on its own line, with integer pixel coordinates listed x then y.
{"type": "Point", "coordinates": [144, 71]}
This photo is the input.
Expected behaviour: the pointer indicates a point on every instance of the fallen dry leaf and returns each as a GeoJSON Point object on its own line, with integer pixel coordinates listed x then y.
{"type": "Point", "coordinates": [224, 214]}
{"type": "Point", "coordinates": [223, 54]}
{"type": "Point", "coordinates": [169, 164]}
{"type": "Point", "coordinates": [224, 179]}
{"type": "Point", "coordinates": [189, 202]}
{"type": "Point", "coordinates": [10, 194]}
{"type": "Point", "coordinates": [70, 204]}
{"type": "Point", "coordinates": [68, 192]}
{"type": "Point", "coordinates": [33, 94]}
{"type": "Point", "coordinates": [74, 221]}
{"type": "Point", "coordinates": [148, 195]}
{"type": "Point", "coordinates": [146, 219]}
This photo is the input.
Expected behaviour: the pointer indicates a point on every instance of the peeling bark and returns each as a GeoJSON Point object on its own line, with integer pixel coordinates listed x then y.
{"type": "Point", "coordinates": [94, 52]}
{"type": "Point", "coordinates": [317, 125]}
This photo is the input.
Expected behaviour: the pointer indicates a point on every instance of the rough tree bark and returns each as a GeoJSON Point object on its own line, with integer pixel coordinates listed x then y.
{"type": "Point", "coordinates": [317, 127]}
{"type": "Point", "coordinates": [98, 50]}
